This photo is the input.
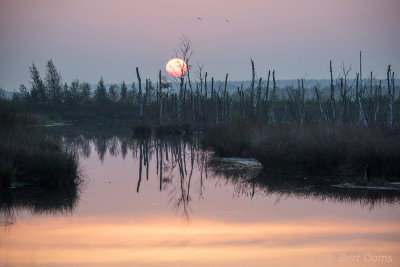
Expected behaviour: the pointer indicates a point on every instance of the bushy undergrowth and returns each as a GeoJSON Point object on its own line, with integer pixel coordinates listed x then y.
{"type": "Point", "coordinates": [313, 149]}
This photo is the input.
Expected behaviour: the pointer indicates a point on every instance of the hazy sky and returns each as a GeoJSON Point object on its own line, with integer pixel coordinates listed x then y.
{"type": "Point", "coordinates": [92, 38]}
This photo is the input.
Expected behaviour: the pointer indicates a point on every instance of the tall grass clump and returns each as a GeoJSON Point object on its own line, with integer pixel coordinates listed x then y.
{"type": "Point", "coordinates": [27, 156]}
{"type": "Point", "coordinates": [47, 165]}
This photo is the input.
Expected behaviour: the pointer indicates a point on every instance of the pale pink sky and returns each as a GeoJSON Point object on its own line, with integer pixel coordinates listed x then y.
{"type": "Point", "coordinates": [92, 38]}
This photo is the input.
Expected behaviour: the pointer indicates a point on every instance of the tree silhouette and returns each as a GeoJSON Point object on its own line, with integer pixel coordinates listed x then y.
{"type": "Point", "coordinates": [38, 90]}
{"type": "Point", "coordinates": [85, 93]}
{"type": "Point", "coordinates": [100, 94]}
{"type": "Point", "coordinates": [123, 98]}
{"type": "Point", "coordinates": [53, 83]}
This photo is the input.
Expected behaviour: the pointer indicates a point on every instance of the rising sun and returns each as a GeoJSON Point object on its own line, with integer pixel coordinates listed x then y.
{"type": "Point", "coordinates": [176, 67]}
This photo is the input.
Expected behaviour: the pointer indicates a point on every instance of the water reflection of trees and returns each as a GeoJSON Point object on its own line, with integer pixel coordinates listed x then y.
{"type": "Point", "coordinates": [177, 158]}
{"type": "Point", "coordinates": [250, 181]}
{"type": "Point", "coordinates": [175, 162]}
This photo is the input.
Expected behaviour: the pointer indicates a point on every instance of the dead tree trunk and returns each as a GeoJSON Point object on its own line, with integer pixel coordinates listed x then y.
{"type": "Point", "coordinates": [241, 94]}
{"type": "Point", "coordinates": [332, 98]}
{"type": "Point", "coordinates": [321, 110]}
{"type": "Point", "coordinates": [273, 99]}
{"type": "Point", "coordinates": [266, 97]}
{"type": "Point", "coordinates": [361, 117]}
{"type": "Point", "coordinates": [160, 96]}
{"type": "Point", "coordinates": [140, 94]}
{"type": "Point", "coordinates": [205, 85]}
{"type": "Point", "coordinates": [253, 77]}
{"type": "Point", "coordinates": [302, 103]}
{"type": "Point", "coordinates": [224, 99]}
{"type": "Point", "coordinates": [390, 97]}
{"type": "Point", "coordinates": [216, 107]}
{"type": "Point", "coordinates": [378, 96]}
{"type": "Point", "coordinates": [258, 95]}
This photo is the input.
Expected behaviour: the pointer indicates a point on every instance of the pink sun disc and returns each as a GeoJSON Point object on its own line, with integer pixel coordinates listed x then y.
{"type": "Point", "coordinates": [176, 67]}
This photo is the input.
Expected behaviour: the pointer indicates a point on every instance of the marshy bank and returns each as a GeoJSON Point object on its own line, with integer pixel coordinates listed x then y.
{"type": "Point", "coordinates": [331, 153]}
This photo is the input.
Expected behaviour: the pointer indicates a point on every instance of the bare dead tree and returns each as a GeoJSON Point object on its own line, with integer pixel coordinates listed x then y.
{"type": "Point", "coordinates": [160, 85]}
{"type": "Point", "coordinates": [332, 96]}
{"type": "Point", "coordinates": [225, 98]}
{"type": "Point", "coordinates": [390, 97]}
{"type": "Point", "coordinates": [266, 96]}
{"type": "Point", "coordinates": [344, 94]}
{"type": "Point", "coordinates": [296, 101]}
{"type": "Point", "coordinates": [259, 87]}
{"type": "Point", "coordinates": [253, 77]}
{"type": "Point", "coordinates": [361, 116]}
{"type": "Point", "coordinates": [216, 98]}
{"type": "Point", "coordinates": [378, 97]}
{"type": "Point", "coordinates": [321, 110]}
{"type": "Point", "coordinates": [205, 85]}
{"type": "Point", "coordinates": [273, 100]}
{"type": "Point", "coordinates": [140, 93]}
{"type": "Point", "coordinates": [185, 53]}
{"type": "Point", "coordinates": [241, 94]}
{"type": "Point", "coordinates": [302, 103]}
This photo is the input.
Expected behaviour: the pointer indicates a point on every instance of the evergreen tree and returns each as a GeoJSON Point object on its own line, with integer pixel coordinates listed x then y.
{"type": "Point", "coordinates": [75, 91]}
{"type": "Point", "coordinates": [132, 94]}
{"type": "Point", "coordinates": [38, 90]}
{"type": "Point", "coordinates": [124, 93]}
{"type": "Point", "coordinates": [85, 93]}
{"type": "Point", "coordinates": [53, 83]}
{"type": "Point", "coordinates": [23, 91]}
{"type": "Point", "coordinates": [100, 94]}
{"type": "Point", "coordinates": [66, 95]}
{"type": "Point", "coordinates": [113, 93]}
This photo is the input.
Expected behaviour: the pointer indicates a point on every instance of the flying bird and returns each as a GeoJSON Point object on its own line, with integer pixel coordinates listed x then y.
{"type": "Point", "coordinates": [199, 18]}
{"type": "Point", "coordinates": [227, 20]}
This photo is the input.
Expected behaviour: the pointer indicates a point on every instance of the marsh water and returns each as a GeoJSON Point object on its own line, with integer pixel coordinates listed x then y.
{"type": "Point", "coordinates": [169, 201]}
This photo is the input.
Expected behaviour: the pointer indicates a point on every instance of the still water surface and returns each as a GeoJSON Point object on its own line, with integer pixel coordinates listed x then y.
{"type": "Point", "coordinates": [169, 202]}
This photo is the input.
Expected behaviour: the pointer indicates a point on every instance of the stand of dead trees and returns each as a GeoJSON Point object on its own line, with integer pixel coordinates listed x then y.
{"type": "Point", "coordinates": [195, 100]}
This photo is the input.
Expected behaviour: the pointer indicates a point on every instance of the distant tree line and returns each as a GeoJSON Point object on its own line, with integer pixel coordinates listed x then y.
{"type": "Point", "coordinates": [195, 100]}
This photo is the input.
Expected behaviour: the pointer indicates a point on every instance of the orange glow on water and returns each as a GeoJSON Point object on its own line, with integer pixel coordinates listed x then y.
{"type": "Point", "coordinates": [98, 242]}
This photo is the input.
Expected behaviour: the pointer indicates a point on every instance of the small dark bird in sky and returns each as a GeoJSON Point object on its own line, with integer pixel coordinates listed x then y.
{"type": "Point", "coordinates": [227, 20]}
{"type": "Point", "coordinates": [199, 18]}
